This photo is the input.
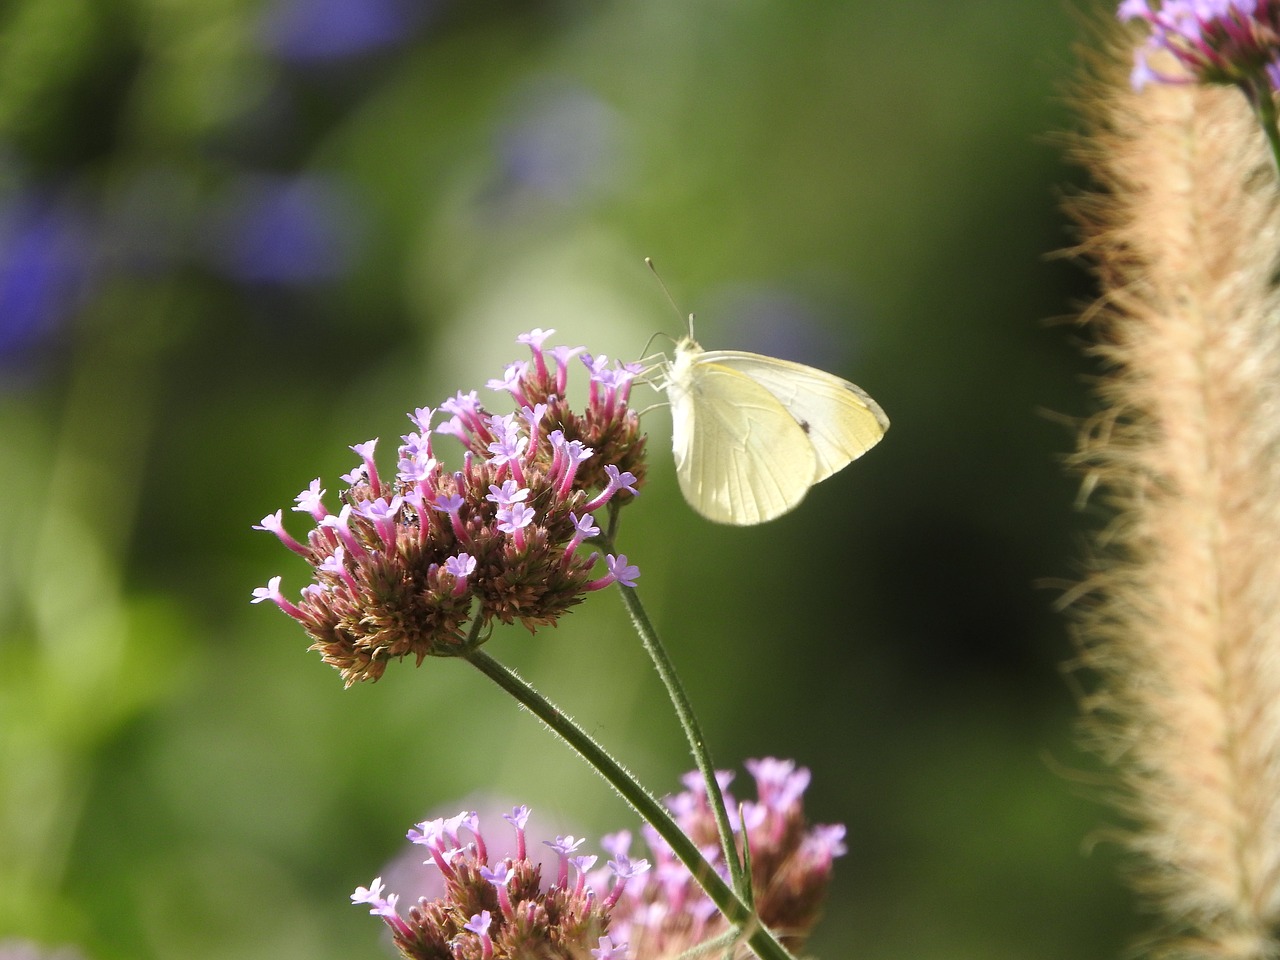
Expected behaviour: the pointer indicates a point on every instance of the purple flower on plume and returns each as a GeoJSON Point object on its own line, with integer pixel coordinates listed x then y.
{"type": "Point", "coordinates": [1216, 41]}
{"type": "Point", "coordinates": [408, 560]}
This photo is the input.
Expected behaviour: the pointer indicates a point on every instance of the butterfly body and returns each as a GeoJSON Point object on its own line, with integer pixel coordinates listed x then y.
{"type": "Point", "coordinates": [751, 434]}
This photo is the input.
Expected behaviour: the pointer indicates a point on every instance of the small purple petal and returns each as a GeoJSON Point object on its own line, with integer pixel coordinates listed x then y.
{"type": "Point", "coordinates": [625, 573]}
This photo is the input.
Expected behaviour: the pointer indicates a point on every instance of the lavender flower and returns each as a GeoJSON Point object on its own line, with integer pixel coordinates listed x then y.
{"type": "Point", "coordinates": [284, 231]}
{"type": "Point", "coordinates": [1217, 41]}
{"type": "Point", "coordinates": [624, 910]}
{"type": "Point", "coordinates": [560, 143]}
{"type": "Point", "coordinates": [310, 31]}
{"type": "Point", "coordinates": [46, 269]}
{"type": "Point", "coordinates": [667, 913]}
{"type": "Point", "coordinates": [406, 563]}
{"type": "Point", "coordinates": [501, 911]}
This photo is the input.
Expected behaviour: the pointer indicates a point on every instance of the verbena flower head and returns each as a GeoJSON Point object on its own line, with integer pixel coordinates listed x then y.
{"type": "Point", "coordinates": [664, 913]}
{"type": "Point", "coordinates": [492, 910]}
{"type": "Point", "coordinates": [1217, 41]}
{"type": "Point", "coordinates": [408, 561]}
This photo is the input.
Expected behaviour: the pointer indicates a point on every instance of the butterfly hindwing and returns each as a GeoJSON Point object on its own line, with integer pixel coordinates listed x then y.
{"type": "Point", "coordinates": [741, 457]}
{"type": "Point", "coordinates": [840, 419]}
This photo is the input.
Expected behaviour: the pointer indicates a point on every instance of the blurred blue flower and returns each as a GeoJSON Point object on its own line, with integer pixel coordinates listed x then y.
{"type": "Point", "coordinates": [560, 142]}
{"type": "Point", "coordinates": [285, 230]}
{"type": "Point", "coordinates": [308, 30]}
{"type": "Point", "coordinates": [776, 322]}
{"type": "Point", "coordinates": [46, 254]}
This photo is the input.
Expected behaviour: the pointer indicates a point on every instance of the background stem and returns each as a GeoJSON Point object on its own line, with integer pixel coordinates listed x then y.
{"type": "Point", "coordinates": [693, 733]}
{"type": "Point", "coordinates": [758, 938]}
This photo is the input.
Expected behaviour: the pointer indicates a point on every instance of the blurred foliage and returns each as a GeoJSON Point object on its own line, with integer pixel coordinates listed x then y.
{"type": "Point", "coordinates": [238, 235]}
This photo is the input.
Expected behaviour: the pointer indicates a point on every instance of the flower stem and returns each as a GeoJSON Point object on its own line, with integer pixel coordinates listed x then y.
{"type": "Point", "coordinates": [1264, 108]}
{"type": "Point", "coordinates": [762, 943]}
{"type": "Point", "coordinates": [689, 723]}
{"type": "Point", "coordinates": [692, 731]}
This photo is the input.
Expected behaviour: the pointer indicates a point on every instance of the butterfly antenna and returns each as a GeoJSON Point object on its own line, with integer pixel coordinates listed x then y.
{"type": "Point", "coordinates": [646, 356]}
{"type": "Point", "coordinates": [648, 262]}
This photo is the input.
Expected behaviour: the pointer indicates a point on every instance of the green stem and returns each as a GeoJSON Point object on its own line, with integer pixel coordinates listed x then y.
{"type": "Point", "coordinates": [1264, 107]}
{"type": "Point", "coordinates": [692, 731]}
{"type": "Point", "coordinates": [758, 938]}
{"type": "Point", "coordinates": [688, 722]}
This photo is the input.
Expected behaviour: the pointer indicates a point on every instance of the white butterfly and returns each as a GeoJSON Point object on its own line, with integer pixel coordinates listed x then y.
{"type": "Point", "coordinates": [751, 434]}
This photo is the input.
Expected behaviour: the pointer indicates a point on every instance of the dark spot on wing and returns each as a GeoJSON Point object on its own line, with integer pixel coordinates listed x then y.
{"type": "Point", "coordinates": [804, 425]}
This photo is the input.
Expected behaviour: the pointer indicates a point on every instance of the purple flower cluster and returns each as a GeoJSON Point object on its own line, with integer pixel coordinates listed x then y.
{"type": "Point", "coordinates": [1217, 41]}
{"type": "Point", "coordinates": [407, 562]}
{"type": "Point", "coordinates": [624, 910]}
{"type": "Point", "coordinates": [505, 910]}
{"type": "Point", "coordinates": [791, 865]}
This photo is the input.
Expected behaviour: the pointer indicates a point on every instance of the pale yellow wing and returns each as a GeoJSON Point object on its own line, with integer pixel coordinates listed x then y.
{"type": "Point", "coordinates": [741, 457]}
{"type": "Point", "coordinates": [841, 421]}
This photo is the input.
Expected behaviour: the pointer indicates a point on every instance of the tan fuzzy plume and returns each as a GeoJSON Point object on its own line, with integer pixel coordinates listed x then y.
{"type": "Point", "coordinates": [1181, 617]}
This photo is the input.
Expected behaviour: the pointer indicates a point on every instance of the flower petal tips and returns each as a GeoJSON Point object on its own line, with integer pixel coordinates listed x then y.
{"type": "Point", "coordinates": [1214, 41]}
{"type": "Point", "coordinates": [412, 564]}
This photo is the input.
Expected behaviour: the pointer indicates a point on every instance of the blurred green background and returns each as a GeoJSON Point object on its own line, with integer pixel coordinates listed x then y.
{"type": "Point", "coordinates": [238, 235]}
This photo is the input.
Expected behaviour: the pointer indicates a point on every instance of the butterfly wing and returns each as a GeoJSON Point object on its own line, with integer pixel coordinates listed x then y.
{"type": "Point", "coordinates": [741, 458]}
{"type": "Point", "coordinates": [841, 421]}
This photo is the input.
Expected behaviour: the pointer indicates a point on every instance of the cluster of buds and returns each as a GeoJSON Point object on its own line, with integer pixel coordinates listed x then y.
{"type": "Point", "coordinates": [1216, 41]}
{"type": "Point", "coordinates": [791, 861]}
{"type": "Point", "coordinates": [503, 911]}
{"type": "Point", "coordinates": [407, 563]}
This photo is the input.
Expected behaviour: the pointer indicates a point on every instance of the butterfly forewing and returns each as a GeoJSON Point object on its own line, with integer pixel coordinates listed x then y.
{"type": "Point", "coordinates": [741, 458]}
{"type": "Point", "coordinates": [841, 421]}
